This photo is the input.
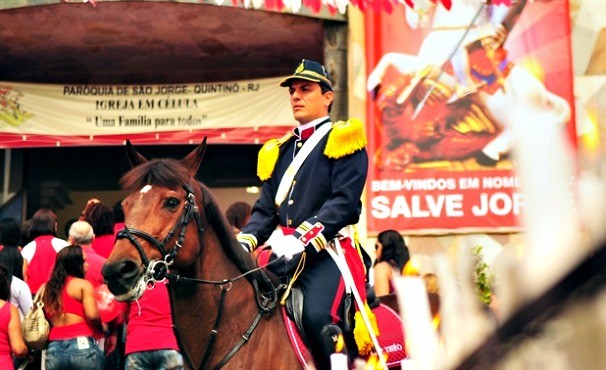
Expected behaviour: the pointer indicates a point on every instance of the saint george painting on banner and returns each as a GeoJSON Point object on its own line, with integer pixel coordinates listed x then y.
{"type": "Point", "coordinates": [441, 85]}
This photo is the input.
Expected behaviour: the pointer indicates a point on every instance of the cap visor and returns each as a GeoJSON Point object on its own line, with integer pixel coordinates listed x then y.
{"type": "Point", "coordinates": [286, 82]}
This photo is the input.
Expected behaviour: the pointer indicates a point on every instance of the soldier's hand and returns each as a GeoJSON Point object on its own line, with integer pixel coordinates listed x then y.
{"type": "Point", "coordinates": [287, 246]}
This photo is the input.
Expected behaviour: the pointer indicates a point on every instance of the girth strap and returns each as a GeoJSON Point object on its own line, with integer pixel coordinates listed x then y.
{"type": "Point", "coordinates": [215, 331]}
{"type": "Point", "coordinates": [243, 341]}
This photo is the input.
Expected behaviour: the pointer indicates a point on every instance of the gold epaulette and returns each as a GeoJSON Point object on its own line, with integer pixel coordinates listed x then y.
{"type": "Point", "coordinates": [268, 156]}
{"type": "Point", "coordinates": [345, 138]}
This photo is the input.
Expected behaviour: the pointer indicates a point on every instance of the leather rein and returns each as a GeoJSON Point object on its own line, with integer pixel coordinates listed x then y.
{"type": "Point", "coordinates": [158, 271]}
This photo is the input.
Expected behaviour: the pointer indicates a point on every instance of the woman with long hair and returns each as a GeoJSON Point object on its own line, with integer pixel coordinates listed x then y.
{"type": "Point", "coordinates": [21, 295]}
{"type": "Point", "coordinates": [392, 254]}
{"type": "Point", "coordinates": [11, 339]}
{"type": "Point", "coordinates": [69, 305]}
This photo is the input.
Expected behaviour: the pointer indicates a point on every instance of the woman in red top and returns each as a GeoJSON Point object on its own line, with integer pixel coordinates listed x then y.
{"type": "Point", "coordinates": [70, 306]}
{"type": "Point", "coordinates": [11, 341]}
{"type": "Point", "coordinates": [392, 255]}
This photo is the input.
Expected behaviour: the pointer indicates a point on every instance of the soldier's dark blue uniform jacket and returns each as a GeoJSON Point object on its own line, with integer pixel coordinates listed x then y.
{"type": "Point", "coordinates": [325, 194]}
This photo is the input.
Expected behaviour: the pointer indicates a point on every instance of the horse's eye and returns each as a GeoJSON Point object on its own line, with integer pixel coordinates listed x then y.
{"type": "Point", "coordinates": [172, 203]}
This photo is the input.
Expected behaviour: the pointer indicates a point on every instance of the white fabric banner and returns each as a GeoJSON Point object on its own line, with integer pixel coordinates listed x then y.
{"type": "Point", "coordinates": [121, 111]}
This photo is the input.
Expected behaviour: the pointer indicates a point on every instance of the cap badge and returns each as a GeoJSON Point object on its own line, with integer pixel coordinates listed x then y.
{"type": "Point", "coordinates": [300, 68]}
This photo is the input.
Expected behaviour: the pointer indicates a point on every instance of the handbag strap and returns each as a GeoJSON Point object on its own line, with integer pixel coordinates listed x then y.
{"type": "Point", "coordinates": [24, 364]}
{"type": "Point", "coordinates": [39, 295]}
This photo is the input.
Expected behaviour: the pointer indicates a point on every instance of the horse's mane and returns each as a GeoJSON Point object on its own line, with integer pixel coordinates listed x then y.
{"type": "Point", "coordinates": [224, 231]}
{"type": "Point", "coordinates": [165, 172]}
{"type": "Point", "coordinates": [170, 173]}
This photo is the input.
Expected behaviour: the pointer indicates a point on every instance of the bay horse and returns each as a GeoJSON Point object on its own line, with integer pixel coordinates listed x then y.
{"type": "Point", "coordinates": [223, 306]}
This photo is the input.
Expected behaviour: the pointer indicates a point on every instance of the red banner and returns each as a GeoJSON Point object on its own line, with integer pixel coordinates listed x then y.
{"type": "Point", "coordinates": [441, 85]}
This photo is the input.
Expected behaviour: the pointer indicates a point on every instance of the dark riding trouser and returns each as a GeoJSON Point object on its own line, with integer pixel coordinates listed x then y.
{"type": "Point", "coordinates": [324, 292]}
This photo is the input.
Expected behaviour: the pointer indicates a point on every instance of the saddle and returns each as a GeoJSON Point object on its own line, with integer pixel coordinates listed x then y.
{"type": "Point", "coordinates": [294, 309]}
{"type": "Point", "coordinates": [391, 337]}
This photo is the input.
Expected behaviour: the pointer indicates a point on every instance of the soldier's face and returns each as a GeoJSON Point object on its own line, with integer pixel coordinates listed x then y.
{"type": "Point", "coordinates": [307, 101]}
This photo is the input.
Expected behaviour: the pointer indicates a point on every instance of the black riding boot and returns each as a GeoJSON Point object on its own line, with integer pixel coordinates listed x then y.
{"type": "Point", "coordinates": [371, 297]}
{"type": "Point", "coordinates": [331, 341]}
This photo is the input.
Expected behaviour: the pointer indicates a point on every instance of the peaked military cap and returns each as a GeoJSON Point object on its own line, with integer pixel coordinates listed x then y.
{"type": "Point", "coordinates": [311, 71]}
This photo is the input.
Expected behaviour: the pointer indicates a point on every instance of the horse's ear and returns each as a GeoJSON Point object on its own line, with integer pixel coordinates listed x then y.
{"type": "Point", "coordinates": [193, 159]}
{"type": "Point", "coordinates": [134, 157]}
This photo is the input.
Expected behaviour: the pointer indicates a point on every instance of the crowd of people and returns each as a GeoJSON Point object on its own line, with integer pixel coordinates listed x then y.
{"type": "Point", "coordinates": [89, 328]}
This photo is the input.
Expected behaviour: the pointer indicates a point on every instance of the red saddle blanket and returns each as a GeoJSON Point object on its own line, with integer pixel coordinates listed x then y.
{"type": "Point", "coordinates": [391, 338]}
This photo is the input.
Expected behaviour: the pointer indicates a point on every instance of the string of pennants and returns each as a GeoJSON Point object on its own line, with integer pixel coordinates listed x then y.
{"type": "Point", "coordinates": [333, 6]}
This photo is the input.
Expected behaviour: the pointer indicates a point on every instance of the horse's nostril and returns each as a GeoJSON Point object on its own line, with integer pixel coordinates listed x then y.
{"type": "Point", "coordinates": [121, 276]}
{"type": "Point", "coordinates": [127, 267]}
{"type": "Point", "coordinates": [120, 270]}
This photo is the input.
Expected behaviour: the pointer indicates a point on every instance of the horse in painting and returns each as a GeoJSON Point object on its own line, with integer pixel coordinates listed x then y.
{"type": "Point", "coordinates": [453, 100]}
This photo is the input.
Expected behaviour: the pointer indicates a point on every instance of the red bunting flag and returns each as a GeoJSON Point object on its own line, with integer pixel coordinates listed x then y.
{"type": "Point", "coordinates": [447, 3]}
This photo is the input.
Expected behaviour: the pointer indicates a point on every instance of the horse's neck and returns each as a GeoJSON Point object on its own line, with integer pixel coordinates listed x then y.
{"type": "Point", "coordinates": [213, 265]}
{"type": "Point", "coordinates": [197, 305]}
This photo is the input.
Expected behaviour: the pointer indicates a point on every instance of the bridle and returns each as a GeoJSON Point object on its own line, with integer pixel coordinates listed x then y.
{"type": "Point", "coordinates": [158, 271]}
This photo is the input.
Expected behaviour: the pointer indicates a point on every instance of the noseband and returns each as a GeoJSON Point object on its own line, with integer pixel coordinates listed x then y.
{"type": "Point", "coordinates": [156, 270]}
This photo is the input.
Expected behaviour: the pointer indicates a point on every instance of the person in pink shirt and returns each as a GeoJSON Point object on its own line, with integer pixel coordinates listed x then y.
{"type": "Point", "coordinates": [150, 340]}
{"type": "Point", "coordinates": [11, 340]}
{"type": "Point", "coordinates": [41, 252]}
{"type": "Point", "coordinates": [101, 218]}
{"type": "Point", "coordinates": [81, 233]}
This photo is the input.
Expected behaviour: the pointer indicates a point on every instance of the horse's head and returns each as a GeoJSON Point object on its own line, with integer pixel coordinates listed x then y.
{"type": "Point", "coordinates": [163, 222]}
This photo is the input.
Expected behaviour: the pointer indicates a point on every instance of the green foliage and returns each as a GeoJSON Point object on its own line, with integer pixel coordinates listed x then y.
{"type": "Point", "coordinates": [483, 278]}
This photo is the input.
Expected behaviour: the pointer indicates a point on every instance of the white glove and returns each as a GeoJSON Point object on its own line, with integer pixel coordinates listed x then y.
{"type": "Point", "coordinates": [287, 246]}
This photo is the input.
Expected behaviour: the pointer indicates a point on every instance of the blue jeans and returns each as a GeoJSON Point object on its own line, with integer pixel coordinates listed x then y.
{"type": "Point", "coordinates": [80, 353]}
{"type": "Point", "coordinates": [161, 359]}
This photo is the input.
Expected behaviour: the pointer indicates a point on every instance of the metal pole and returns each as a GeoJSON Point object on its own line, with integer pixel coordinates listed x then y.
{"type": "Point", "coordinates": [7, 172]}
{"type": "Point", "coordinates": [443, 68]}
